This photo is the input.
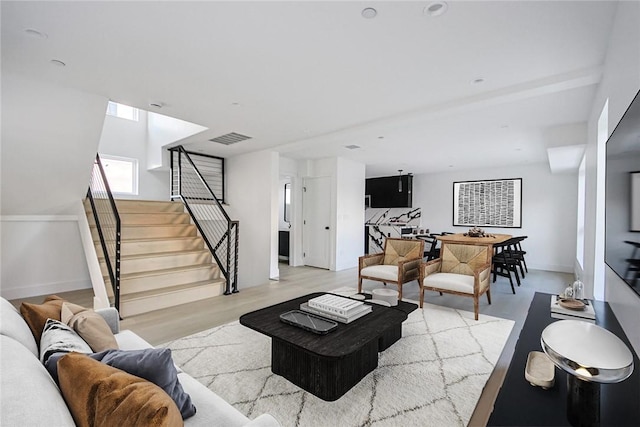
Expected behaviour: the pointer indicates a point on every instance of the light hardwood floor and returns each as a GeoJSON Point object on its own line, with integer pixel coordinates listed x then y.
{"type": "Point", "coordinates": [168, 324]}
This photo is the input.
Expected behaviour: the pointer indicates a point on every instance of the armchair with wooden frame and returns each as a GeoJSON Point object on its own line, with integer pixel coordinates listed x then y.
{"type": "Point", "coordinates": [462, 269]}
{"type": "Point", "coordinates": [398, 263]}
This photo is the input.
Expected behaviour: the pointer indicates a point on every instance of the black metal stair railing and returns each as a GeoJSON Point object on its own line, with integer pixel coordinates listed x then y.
{"type": "Point", "coordinates": [219, 232]}
{"type": "Point", "coordinates": [108, 225]}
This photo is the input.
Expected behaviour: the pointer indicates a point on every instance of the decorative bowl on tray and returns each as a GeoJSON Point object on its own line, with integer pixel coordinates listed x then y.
{"type": "Point", "coordinates": [572, 304]}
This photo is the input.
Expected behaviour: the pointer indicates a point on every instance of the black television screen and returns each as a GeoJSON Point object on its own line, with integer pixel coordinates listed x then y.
{"type": "Point", "coordinates": [622, 201]}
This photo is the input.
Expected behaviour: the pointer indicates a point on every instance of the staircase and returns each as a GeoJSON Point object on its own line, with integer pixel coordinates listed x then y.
{"type": "Point", "coordinates": [164, 262]}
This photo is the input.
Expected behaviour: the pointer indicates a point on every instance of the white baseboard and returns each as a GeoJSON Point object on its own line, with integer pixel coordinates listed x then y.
{"type": "Point", "coordinates": [552, 267]}
{"type": "Point", "coordinates": [47, 289]}
{"type": "Point", "coordinates": [38, 218]}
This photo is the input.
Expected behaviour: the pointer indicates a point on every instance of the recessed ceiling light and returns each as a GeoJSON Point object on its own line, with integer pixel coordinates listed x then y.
{"type": "Point", "coordinates": [58, 63]}
{"type": "Point", "coordinates": [35, 33]}
{"type": "Point", "coordinates": [369, 13]}
{"type": "Point", "coordinates": [156, 104]}
{"type": "Point", "coordinates": [352, 147]}
{"type": "Point", "coordinates": [436, 8]}
{"type": "Point", "coordinates": [235, 104]}
{"type": "Point", "coordinates": [381, 137]}
{"type": "Point", "coordinates": [477, 81]}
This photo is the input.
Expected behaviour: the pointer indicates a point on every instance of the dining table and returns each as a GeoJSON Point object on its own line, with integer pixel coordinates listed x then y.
{"type": "Point", "coordinates": [461, 238]}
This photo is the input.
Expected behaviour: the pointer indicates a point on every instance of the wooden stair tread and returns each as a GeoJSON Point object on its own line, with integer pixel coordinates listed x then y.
{"type": "Point", "coordinates": [151, 239]}
{"type": "Point", "coordinates": [166, 271]}
{"type": "Point", "coordinates": [159, 254]}
{"type": "Point", "coordinates": [170, 289]}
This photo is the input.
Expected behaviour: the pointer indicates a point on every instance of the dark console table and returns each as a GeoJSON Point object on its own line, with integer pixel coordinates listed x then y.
{"type": "Point", "coordinates": [328, 365]}
{"type": "Point", "coordinates": [521, 404]}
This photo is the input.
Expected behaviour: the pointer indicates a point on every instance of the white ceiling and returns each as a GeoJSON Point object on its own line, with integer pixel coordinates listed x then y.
{"type": "Point", "coordinates": [308, 78]}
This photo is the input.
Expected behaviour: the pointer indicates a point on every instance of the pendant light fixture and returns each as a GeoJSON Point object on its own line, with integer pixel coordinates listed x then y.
{"type": "Point", "coordinates": [400, 181]}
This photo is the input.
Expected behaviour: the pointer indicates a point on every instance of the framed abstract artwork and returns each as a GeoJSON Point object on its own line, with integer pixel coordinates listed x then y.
{"type": "Point", "coordinates": [491, 203]}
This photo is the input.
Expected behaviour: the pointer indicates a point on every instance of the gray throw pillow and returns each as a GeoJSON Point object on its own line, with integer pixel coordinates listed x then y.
{"type": "Point", "coordinates": [58, 337]}
{"type": "Point", "coordinates": [152, 364]}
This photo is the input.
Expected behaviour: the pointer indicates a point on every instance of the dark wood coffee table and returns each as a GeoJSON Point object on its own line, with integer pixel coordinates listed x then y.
{"type": "Point", "coordinates": [328, 365]}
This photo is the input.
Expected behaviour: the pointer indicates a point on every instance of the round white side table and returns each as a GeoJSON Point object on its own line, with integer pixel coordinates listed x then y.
{"type": "Point", "coordinates": [590, 355]}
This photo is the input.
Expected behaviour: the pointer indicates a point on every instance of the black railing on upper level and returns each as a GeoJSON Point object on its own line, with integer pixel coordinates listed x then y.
{"type": "Point", "coordinates": [219, 232]}
{"type": "Point", "coordinates": [107, 221]}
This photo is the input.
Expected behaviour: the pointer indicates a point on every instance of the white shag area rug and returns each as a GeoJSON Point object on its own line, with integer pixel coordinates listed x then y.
{"type": "Point", "coordinates": [433, 376]}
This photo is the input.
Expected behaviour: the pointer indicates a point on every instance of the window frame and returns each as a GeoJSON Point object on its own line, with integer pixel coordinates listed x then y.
{"type": "Point", "coordinates": [135, 178]}
{"type": "Point", "coordinates": [114, 110]}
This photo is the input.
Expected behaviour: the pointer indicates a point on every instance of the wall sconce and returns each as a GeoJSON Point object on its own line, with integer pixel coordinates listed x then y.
{"type": "Point", "coordinates": [400, 181]}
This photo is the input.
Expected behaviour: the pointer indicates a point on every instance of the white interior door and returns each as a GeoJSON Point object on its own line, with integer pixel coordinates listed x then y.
{"type": "Point", "coordinates": [316, 234]}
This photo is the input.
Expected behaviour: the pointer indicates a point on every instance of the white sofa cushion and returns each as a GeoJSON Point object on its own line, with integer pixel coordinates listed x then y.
{"type": "Point", "coordinates": [385, 272]}
{"type": "Point", "coordinates": [12, 324]}
{"type": "Point", "coordinates": [450, 281]}
{"type": "Point", "coordinates": [29, 395]}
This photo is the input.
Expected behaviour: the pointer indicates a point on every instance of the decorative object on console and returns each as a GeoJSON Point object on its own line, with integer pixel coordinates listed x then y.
{"type": "Point", "coordinates": [578, 289]}
{"type": "Point", "coordinates": [569, 308]}
{"type": "Point", "coordinates": [492, 203]}
{"type": "Point", "coordinates": [590, 355]}
{"type": "Point", "coordinates": [539, 370]}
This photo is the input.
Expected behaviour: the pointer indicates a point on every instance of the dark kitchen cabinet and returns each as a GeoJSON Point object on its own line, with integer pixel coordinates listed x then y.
{"type": "Point", "coordinates": [390, 191]}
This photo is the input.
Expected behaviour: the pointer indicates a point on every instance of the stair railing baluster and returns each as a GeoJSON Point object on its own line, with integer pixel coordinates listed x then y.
{"type": "Point", "coordinates": [99, 185]}
{"type": "Point", "coordinates": [207, 215]}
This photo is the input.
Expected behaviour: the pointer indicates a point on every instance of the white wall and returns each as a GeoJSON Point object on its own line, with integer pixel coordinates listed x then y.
{"type": "Point", "coordinates": [349, 213]}
{"type": "Point", "coordinates": [548, 210]}
{"type": "Point", "coordinates": [252, 183]}
{"type": "Point", "coordinates": [164, 130]}
{"type": "Point", "coordinates": [127, 138]}
{"type": "Point", "coordinates": [49, 138]}
{"type": "Point", "coordinates": [41, 255]}
{"type": "Point", "coordinates": [620, 83]}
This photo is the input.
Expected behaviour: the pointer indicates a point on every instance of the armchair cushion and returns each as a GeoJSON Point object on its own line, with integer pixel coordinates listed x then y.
{"type": "Point", "coordinates": [450, 281]}
{"type": "Point", "coordinates": [384, 272]}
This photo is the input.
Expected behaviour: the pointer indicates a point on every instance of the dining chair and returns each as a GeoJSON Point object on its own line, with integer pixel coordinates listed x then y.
{"type": "Point", "coordinates": [431, 251]}
{"type": "Point", "coordinates": [504, 263]}
{"type": "Point", "coordinates": [518, 253]}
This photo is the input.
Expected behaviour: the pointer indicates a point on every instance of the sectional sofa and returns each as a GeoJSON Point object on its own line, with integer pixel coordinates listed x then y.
{"type": "Point", "coordinates": [30, 396]}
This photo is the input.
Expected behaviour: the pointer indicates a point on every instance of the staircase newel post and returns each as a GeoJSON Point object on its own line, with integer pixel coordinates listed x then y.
{"type": "Point", "coordinates": [235, 255]}
{"type": "Point", "coordinates": [227, 290]}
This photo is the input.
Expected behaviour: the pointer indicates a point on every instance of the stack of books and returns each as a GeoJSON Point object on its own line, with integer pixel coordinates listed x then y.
{"type": "Point", "coordinates": [335, 307]}
{"type": "Point", "coordinates": [558, 312]}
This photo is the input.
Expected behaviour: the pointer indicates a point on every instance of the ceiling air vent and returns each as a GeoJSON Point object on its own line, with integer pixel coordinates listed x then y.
{"type": "Point", "coordinates": [230, 138]}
